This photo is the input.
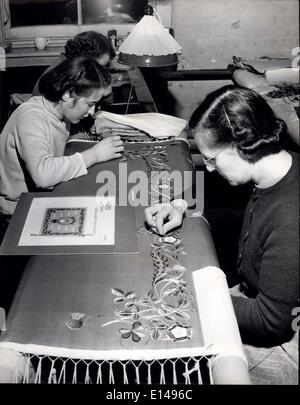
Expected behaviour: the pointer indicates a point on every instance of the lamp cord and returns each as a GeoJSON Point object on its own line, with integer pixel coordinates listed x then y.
{"type": "Point", "coordinates": [131, 89]}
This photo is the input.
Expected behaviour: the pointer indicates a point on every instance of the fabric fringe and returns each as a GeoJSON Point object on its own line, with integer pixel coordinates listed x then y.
{"type": "Point", "coordinates": [56, 370]}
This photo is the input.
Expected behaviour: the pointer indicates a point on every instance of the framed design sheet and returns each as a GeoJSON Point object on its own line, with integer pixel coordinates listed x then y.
{"type": "Point", "coordinates": [69, 221]}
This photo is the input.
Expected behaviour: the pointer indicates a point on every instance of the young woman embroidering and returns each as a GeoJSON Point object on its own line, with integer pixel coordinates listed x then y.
{"type": "Point", "coordinates": [32, 142]}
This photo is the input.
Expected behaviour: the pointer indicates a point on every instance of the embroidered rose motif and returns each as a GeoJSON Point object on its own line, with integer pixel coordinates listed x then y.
{"type": "Point", "coordinates": [76, 320]}
{"type": "Point", "coordinates": [179, 332]}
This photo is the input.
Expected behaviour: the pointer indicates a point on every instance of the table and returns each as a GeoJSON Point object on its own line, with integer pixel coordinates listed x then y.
{"type": "Point", "coordinates": [162, 315]}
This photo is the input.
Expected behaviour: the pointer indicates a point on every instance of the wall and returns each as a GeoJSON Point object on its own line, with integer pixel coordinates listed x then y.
{"type": "Point", "coordinates": [212, 31]}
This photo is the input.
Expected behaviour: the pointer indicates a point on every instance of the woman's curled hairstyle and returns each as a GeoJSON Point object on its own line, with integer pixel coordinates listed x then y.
{"type": "Point", "coordinates": [240, 116]}
{"type": "Point", "coordinates": [89, 43]}
{"type": "Point", "coordinates": [77, 75]}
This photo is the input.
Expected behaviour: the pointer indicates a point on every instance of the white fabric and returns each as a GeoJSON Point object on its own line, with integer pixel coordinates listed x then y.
{"type": "Point", "coordinates": [155, 124]}
{"type": "Point", "coordinates": [218, 321]}
{"type": "Point", "coordinates": [261, 65]}
{"type": "Point", "coordinates": [287, 75]}
{"type": "Point", "coordinates": [14, 367]}
{"type": "Point", "coordinates": [117, 355]}
{"type": "Point", "coordinates": [219, 326]}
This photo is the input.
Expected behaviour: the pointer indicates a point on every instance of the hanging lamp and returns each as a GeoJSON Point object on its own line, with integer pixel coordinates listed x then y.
{"type": "Point", "coordinates": [149, 44]}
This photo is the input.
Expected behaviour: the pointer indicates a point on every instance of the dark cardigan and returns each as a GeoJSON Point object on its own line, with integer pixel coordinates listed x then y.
{"type": "Point", "coordinates": [268, 262]}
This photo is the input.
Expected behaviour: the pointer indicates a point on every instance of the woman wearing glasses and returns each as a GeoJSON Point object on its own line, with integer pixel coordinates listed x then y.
{"type": "Point", "coordinates": [239, 136]}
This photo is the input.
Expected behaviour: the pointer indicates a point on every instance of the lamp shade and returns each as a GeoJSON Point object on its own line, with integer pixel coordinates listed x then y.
{"type": "Point", "coordinates": [149, 44]}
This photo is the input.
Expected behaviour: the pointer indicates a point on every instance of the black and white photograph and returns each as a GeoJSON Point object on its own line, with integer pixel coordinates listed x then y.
{"type": "Point", "coordinates": [149, 195]}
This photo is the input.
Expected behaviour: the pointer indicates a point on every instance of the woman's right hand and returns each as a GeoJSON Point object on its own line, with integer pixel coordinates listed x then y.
{"type": "Point", "coordinates": [107, 149]}
{"type": "Point", "coordinates": [164, 217]}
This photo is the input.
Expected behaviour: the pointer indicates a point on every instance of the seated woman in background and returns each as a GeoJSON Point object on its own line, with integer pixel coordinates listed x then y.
{"type": "Point", "coordinates": [88, 43]}
{"type": "Point", "coordinates": [33, 140]}
{"type": "Point", "coordinates": [239, 136]}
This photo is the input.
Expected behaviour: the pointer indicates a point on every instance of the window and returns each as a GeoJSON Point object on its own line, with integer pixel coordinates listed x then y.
{"type": "Point", "coordinates": [23, 20]}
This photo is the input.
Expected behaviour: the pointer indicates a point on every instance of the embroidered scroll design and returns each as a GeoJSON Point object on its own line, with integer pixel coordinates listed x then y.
{"type": "Point", "coordinates": [165, 312]}
{"type": "Point", "coordinates": [155, 156]}
{"type": "Point", "coordinates": [160, 182]}
{"type": "Point", "coordinates": [127, 135]}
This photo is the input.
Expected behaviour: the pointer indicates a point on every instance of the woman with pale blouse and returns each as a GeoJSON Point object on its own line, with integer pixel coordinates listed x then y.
{"type": "Point", "coordinates": [33, 140]}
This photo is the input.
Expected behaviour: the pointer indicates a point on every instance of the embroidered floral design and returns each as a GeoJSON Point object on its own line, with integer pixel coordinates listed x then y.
{"type": "Point", "coordinates": [164, 313]}
{"type": "Point", "coordinates": [179, 332]}
{"type": "Point", "coordinates": [76, 320]}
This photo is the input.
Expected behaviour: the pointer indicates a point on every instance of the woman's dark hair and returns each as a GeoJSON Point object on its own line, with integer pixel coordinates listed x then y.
{"type": "Point", "coordinates": [77, 75]}
{"type": "Point", "coordinates": [89, 43]}
{"type": "Point", "coordinates": [241, 116]}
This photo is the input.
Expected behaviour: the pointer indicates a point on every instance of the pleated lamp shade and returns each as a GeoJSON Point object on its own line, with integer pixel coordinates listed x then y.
{"type": "Point", "coordinates": [149, 44]}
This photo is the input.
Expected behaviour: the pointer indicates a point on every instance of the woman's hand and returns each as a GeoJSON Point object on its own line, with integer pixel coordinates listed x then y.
{"type": "Point", "coordinates": [107, 149]}
{"type": "Point", "coordinates": [101, 123]}
{"type": "Point", "coordinates": [159, 213]}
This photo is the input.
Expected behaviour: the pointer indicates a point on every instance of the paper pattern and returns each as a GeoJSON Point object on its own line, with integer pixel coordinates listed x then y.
{"type": "Point", "coordinates": [70, 221]}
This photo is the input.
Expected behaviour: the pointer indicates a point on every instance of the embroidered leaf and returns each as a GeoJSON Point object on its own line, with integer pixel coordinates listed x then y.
{"type": "Point", "coordinates": [183, 283]}
{"type": "Point", "coordinates": [183, 303]}
{"type": "Point", "coordinates": [155, 300]}
{"type": "Point", "coordinates": [126, 335]}
{"type": "Point", "coordinates": [140, 334]}
{"type": "Point", "coordinates": [160, 278]}
{"type": "Point", "coordinates": [125, 314]}
{"type": "Point", "coordinates": [182, 314]}
{"type": "Point", "coordinates": [130, 295]}
{"type": "Point", "coordinates": [135, 337]}
{"type": "Point", "coordinates": [156, 334]}
{"type": "Point", "coordinates": [170, 291]}
{"type": "Point", "coordinates": [123, 331]}
{"type": "Point", "coordinates": [136, 317]}
{"type": "Point", "coordinates": [118, 299]}
{"type": "Point", "coordinates": [136, 325]}
{"type": "Point", "coordinates": [129, 304]}
{"type": "Point", "coordinates": [167, 307]}
{"type": "Point", "coordinates": [120, 293]}
{"type": "Point", "coordinates": [150, 294]}
{"type": "Point", "coordinates": [144, 302]}
{"type": "Point", "coordinates": [170, 317]}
